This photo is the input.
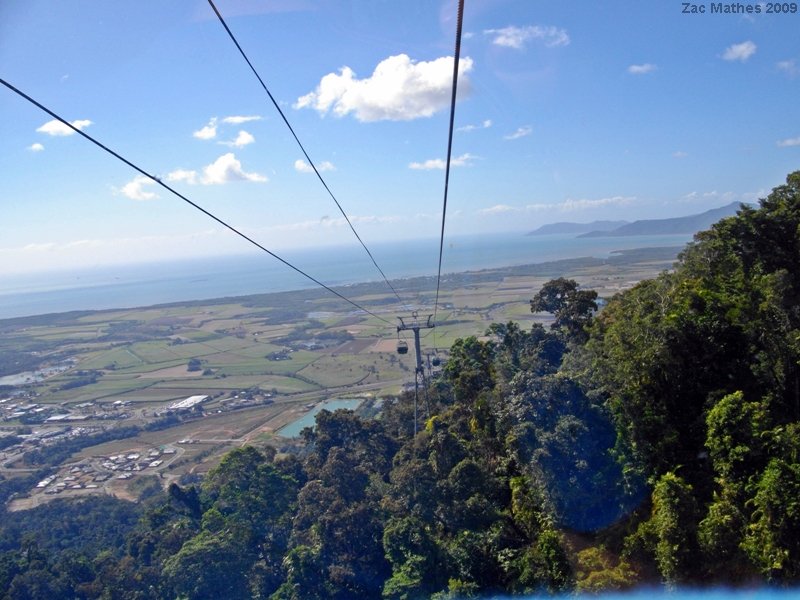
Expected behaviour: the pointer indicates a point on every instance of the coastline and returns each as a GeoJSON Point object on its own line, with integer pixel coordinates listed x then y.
{"type": "Point", "coordinates": [96, 298]}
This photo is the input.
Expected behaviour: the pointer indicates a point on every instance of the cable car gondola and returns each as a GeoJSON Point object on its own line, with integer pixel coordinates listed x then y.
{"type": "Point", "coordinates": [402, 347]}
{"type": "Point", "coordinates": [435, 361]}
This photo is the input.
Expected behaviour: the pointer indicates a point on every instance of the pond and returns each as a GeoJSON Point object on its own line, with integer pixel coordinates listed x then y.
{"type": "Point", "coordinates": [32, 376]}
{"type": "Point", "coordinates": [308, 420]}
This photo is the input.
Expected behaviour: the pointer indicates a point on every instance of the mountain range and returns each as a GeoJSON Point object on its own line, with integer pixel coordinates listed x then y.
{"type": "Point", "coordinates": [554, 228]}
{"type": "Point", "coordinates": [688, 224]}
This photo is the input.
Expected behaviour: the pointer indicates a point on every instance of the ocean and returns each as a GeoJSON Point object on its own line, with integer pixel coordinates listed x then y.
{"type": "Point", "coordinates": [145, 284]}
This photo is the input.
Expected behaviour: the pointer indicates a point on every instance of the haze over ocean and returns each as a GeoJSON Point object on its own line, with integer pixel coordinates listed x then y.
{"type": "Point", "coordinates": [143, 284]}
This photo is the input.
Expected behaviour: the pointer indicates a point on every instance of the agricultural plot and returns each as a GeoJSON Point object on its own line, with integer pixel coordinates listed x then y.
{"type": "Point", "coordinates": [159, 352]}
{"type": "Point", "coordinates": [71, 334]}
{"type": "Point", "coordinates": [200, 336]}
{"type": "Point", "coordinates": [447, 334]}
{"type": "Point", "coordinates": [283, 385]}
{"type": "Point", "coordinates": [356, 346]}
{"type": "Point", "coordinates": [153, 394]}
{"type": "Point", "coordinates": [178, 372]}
{"type": "Point", "coordinates": [337, 370]}
{"type": "Point", "coordinates": [104, 389]}
{"type": "Point", "coordinates": [119, 357]}
{"type": "Point", "coordinates": [295, 361]}
{"type": "Point", "coordinates": [257, 350]}
{"type": "Point", "coordinates": [478, 297]}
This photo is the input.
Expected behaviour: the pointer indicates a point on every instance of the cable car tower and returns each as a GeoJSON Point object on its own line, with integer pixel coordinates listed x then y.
{"type": "Point", "coordinates": [414, 324]}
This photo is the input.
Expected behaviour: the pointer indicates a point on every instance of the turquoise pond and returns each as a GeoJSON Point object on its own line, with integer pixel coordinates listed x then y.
{"type": "Point", "coordinates": [294, 429]}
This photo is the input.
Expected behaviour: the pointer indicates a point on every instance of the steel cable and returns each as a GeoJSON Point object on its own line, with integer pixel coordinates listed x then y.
{"type": "Point", "coordinates": [185, 199]}
{"type": "Point", "coordinates": [302, 148]}
{"type": "Point", "coordinates": [449, 153]}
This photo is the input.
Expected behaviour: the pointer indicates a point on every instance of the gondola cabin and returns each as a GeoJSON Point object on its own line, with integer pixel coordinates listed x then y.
{"type": "Point", "coordinates": [402, 347]}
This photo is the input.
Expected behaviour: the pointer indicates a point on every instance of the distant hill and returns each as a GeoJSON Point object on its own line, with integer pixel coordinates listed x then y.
{"type": "Point", "coordinates": [688, 224]}
{"type": "Point", "coordinates": [564, 227]}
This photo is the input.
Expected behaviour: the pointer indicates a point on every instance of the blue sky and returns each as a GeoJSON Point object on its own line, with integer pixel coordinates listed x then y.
{"type": "Point", "coordinates": [569, 111]}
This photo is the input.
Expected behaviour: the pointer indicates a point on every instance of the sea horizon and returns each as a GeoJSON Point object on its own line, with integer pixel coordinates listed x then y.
{"type": "Point", "coordinates": [144, 284]}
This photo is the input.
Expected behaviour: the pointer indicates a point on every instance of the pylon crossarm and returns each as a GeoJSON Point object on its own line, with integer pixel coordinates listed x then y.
{"type": "Point", "coordinates": [416, 323]}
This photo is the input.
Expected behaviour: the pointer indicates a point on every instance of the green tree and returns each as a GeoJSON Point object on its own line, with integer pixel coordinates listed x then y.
{"type": "Point", "coordinates": [411, 549]}
{"type": "Point", "coordinates": [470, 368]}
{"type": "Point", "coordinates": [773, 540]}
{"type": "Point", "coordinates": [674, 525]}
{"type": "Point", "coordinates": [211, 566]}
{"type": "Point", "coordinates": [571, 307]}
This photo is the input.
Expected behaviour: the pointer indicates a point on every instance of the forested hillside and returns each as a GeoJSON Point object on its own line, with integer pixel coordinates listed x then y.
{"type": "Point", "coordinates": [655, 442]}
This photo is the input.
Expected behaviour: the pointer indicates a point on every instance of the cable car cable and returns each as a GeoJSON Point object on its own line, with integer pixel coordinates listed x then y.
{"type": "Point", "coordinates": [185, 199]}
{"type": "Point", "coordinates": [313, 166]}
{"type": "Point", "coordinates": [449, 153]}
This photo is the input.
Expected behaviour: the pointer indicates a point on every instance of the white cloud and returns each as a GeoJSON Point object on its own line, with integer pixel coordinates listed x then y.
{"type": "Point", "coordinates": [680, 154]}
{"type": "Point", "coordinates": [91, 252]}
{"type": "Point", "coordinates": [566, 206]}
{"type": "Point", "coordinates": [432, 163]}
{"type": "Point", "coordinates": [487, 123]}
{"type": "Point", "coordinates": [498, 209]}
{"type": "Point", "coordinates": [755, 195]}
{"type": "Point", "coordinates": [181, 174]}
{"type": "Point", "coordinates": [789, 142]}
{"type": "Point", "coordinates": [304, 167]}
{"type": "Point", "coordinates": [574, 205]}
{"type": "Point", "coordinates": [242, 140]}
{"type": "Point", "coordinates": [740, 52]}
{"type": "Point", "coordinates": [516, 37]}
{"type": "Point", "coordinates": [715, 195]}
{"type": "Point", "coordinates": [438, 163]}
{"type": "Point", "coordinates": [641, 69]}
{"type": "Point", "coordinates": [58, 128]}
{"type": "Point", "coordinates": [208, 132]}
{"type": "Point", "coordinates": [133, 189]}
{"type": "Point", "coordinates": [461, 161]}
{"type": "Point", "coordinates": [46, 247]}
{"type": "Point", "coordinates": [239, 120]}
{"type": "Point", "coordinates": [790, 67]}
{"type": "Point", "coordinates": [35, 147]}
{"type": "Point", "coordinates": [224, 170]}
{"type": "Point", "coordinates": [227, 169]}
{"type": "Point", "coordinates": [521, 132]}
{"type": "Point", "coordinates": [578, 205]}
{"type": "Point", "coordinates": [327, 223]}
{"type": "Point", "coordinates": [399, 89]}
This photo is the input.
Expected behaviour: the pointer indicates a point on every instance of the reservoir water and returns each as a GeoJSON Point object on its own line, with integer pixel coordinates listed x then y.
{"type": "Point", "coordinates": [134, 285]}
{"type": "Point", "coordinates": [308, 420]}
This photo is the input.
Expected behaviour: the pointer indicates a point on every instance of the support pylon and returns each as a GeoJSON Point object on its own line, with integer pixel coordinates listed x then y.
{"type": "Point", "coordinates": [415, 324]}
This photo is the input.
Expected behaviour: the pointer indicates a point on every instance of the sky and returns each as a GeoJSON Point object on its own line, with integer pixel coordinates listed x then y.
{"type": "Point", "coordinates": [567, 111]}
